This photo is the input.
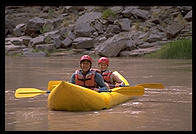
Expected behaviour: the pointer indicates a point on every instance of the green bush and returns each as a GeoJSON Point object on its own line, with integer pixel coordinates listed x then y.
{"type": "Point", "coordinates": [180, 49]}
{"type": "Point", "coordinates": [108, 12]}
{"type": "Point", "coordinates": [46, 28]}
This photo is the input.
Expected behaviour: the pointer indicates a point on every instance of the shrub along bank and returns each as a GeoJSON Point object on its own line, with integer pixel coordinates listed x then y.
{"type": "Point", "coordinates": [180, 49]}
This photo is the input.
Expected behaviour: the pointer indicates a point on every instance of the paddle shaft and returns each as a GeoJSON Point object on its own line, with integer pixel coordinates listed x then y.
{"type": "Point", "coordinates": [134, 91]}
{"type": "Point", "coordinates": [145, 85]}
{"type": "Point", "coordinates": [34, 92]}
{"type": "Point", "coordinates": [31, 92]}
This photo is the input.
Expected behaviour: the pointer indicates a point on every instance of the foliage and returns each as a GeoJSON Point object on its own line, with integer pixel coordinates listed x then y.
{"type": "Point", "coordinates": [181, 20]}
{"type": "Point", "coordinates": [65, 23]}
{"type": "Point", "coordinates": [180, 49]}
{"type": "Point", "coordinates": [46, 28]}
{"type": "Point", "coordinates": [69, 20]}
{"type": "Point", "coordinates": [51, 13]}
{"type": "Point", "coordinates": [108, 12]}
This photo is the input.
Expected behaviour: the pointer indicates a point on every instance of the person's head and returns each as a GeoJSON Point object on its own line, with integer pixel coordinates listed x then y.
{"type": "Point", "coordinates": [103, 63]}
{"type": "Point", "coordinates": [85, 63]}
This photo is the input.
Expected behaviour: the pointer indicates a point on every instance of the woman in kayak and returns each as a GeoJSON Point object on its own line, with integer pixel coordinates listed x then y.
{"type": "Point", "coordinates": [88, 78]}
{"type": "Point", "coordinates": [110, 79]}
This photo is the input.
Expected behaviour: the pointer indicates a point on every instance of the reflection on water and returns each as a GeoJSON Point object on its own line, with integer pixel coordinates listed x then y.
{"type": "Point", "coordinates": [158, 109]}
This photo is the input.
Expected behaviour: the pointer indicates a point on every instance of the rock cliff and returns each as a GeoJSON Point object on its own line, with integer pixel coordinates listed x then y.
{"type": "Point", "coordinates": [101, 30]}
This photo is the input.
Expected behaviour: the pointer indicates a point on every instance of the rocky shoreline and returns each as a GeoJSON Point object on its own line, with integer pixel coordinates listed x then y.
{"type": "Point", "coordinates": [104, 31]}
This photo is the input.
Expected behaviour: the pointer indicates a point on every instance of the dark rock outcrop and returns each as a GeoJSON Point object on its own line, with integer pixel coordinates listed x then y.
{"type": "Point", "coordinates": [105, 31]}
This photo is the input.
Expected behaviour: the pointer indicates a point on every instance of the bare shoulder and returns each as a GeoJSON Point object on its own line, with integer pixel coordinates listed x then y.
{"type": "Point", "coordinates": [116, 78]}
{"type": "Point", "coordinates": [114, 75]}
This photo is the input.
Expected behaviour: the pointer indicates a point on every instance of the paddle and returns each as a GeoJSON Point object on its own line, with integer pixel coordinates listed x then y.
{"type": "Point", "coordinates": [28, 92]}
{"type": "Point", "coordinates": [134, 91]}
{"type": "Point", "coordinates": [31, 92]}
{"type": "Point", "coordinates": [151, 85]}
{"type": "Point", "coordinates": [54, 83]}
{"type": "Point", "coordinates": [146, 85]}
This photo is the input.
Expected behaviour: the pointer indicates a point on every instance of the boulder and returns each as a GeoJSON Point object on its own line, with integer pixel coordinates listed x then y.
{"type": "Point", "coordinates": [139, 52]}
{"type": "Point", "coordinates": [112, 46]}
{"type": "Point", "coordinates": [57, 42]}
{"type": "Point", "coordinates": [131, 45]}
{"type": "Point", "coordinates": [83, 30]}
{"type": "Point", "coordinates": [71, 35]}
{"type": "Point", "coordinates": [98, 26]}
{"type": "Point", "coordinates": [99, 39]}
{"type": "Point", "coordinates": [56, 22]}
{"type": "Point", "coordinates": [66, 43]}
{"type": "Point", "coordinates": [131, 10]}
{"type": "Point", "coordinates": [9, 25]}
{"type": "Point", "coordinates": [9, 49]}
{"type": "Point", "coordinates": [184, 9]}
{"type": "Point", "coordinates": [47, 47]}
{"type": "Point", "coordinates": [51, 33]}
{"type": "Point", "coordinates": [117, 9]}
{"type": "Point", "coordinates": [124, 24]}
{"type": "Point", "coordinates": [27, 50]}
{"type": "Point", "coordinates": [14, 40]}
{"type": "Point", "coordinates": [83, 26]}
{"type": "Point", "coordinates": [34, 26]}
{"type": "Point", "coordinates": [146, 45]}
{"type": "Point", "coordinates": [173, 29]}
{"type": "Point", "coordinates": [25, 40]}
{"type": "Point", "coordinates": [188, 16]}
{"type": "Point", "coordinates": [63, 32]}
{"type": "Point", "coordinates": [114, 29]}
{"type": "Point", "coordinates": [156, 37]}
{"type": "Point", "coordinates": [19, 30]}
{"type": "Point", "coordinates": [36, 40]}
{"type": "Point", "coordinates": [82, 42]}
{"type": "Point", "coordinates": [74, 9]}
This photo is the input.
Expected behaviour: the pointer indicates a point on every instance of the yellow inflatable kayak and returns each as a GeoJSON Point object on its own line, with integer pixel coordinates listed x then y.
{"type": "Point", "coordinates": [67, 96]}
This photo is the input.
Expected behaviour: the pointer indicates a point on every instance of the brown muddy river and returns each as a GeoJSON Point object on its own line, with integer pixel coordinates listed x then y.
{"type": "Point", "coordinates": [168, 109]}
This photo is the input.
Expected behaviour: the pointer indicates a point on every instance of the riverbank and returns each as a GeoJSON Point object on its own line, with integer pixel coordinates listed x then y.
{"type": "Point", "coordinates": [180, 49]}
{"type": "Point", "coordinates": [111, 31]}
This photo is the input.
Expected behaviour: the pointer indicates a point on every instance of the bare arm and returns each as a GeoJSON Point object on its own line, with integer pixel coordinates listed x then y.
{"type": "Point", "coordinates": [117, 80]}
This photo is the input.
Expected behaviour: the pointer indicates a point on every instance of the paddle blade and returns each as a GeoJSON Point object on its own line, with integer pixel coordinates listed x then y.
{"type": "Point", "coordinates": [132, 91]}
{"type": "Point", "coordinates": [151, 85]}
{"type": "Point", "coordinates": [26, 95]}
{"type": "Point", "coordinates": [28, 92]}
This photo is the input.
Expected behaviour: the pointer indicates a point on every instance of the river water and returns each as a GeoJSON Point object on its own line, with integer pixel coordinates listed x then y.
{"type": "Point", "coordinates": [168, 109]}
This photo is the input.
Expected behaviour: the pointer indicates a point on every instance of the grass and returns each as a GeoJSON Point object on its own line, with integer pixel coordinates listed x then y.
{"type": "Point", "coordinates": [180, 49]}
{"type": "Point", "coordinates": [46, 28]}
{"type": "Point", "coordinates": [108, 12]}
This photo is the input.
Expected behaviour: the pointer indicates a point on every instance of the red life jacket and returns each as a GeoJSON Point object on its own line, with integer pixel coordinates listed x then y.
{"type": "Point", "coordinates": [87, 80]}
{"type": "Point", "coordinates": [107, 76]}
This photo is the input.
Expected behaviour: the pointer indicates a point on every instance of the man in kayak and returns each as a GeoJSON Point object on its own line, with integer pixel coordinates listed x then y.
{"type": "Point", "coordinates": [110, 79]}
{"type": "Point", "coordinates": [88, 78]}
